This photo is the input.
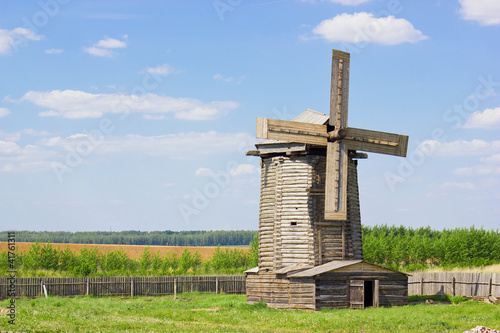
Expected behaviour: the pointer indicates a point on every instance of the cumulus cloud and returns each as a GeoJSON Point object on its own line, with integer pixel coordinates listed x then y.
{"type": "Point", "coordinates": [244, 169]}
{"type": "Point", "coordinates": [191, 145]}
{"type": "Point", "coordinates": [485, 12]}
{"type": "Point", "coordinates": [349, 2]}
{"type": "Point", "coordinates": [488, 119]}
{"type": "Point", "coordinates": [4, 112]}
{"type": "Point", "coordinates": [30, 158]}
{"type": "Point", "coordinates": [164, 69]}
{"type": "Point", "coordinates": [237, 171]}
{"type": "Point", "coordinates": [457, 186]}
{"type": "Point", "coordinates": [229, 79]}
{"type": "Point", "coordinates": [365, 28]}
{"type": "Point", "coordinates": [74, 104]}
{"type": "Point", "coordinates": [11, 39]}
{"type": "Point", "coordinates": [478, 170]}
{"type": "Point", "coordinates": [103, 48]}
{"type": "Point", "coordinates": [54, 51]}
{"type": "Point", "coordinates": [459, 147]}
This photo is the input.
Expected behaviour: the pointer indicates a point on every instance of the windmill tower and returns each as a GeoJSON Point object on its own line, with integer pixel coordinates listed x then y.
{"type": "Point", "coordinates": [310, 246]}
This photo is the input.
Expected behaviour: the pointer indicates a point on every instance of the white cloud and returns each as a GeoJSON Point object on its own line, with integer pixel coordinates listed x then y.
{"type": "Point", "coordinates": [488, 119]}
{"type": "Point", "coordinates": [74, 104]}
{"type": "Point", "coordinates": [164, 69]}
{"type": "Point", "coordinates": [191, 145]}
{"type": "Point", "coordinates": [14, 158]}
{"type": "Point", "coordinates": [459, 147]}
{"type": "Point", "coordinates": [364, 27]}
{"type": "Point", "coordinates": [102, 47]}
{"type": "Point", "coordinates": [237, 171]}
{"type": "Point", "coordinates": [456, 186]}
{"type": "Point", "coordinates": [491, 159]}
{"type": "Point", "coordinates": [11, 39]}
{"type": "Point", "coordinates": [348, 2]}
{"type": "Point", "coordinates": [203, 172]}
{"type": "Point", "coordinates": [99, 52]}
{"type": "Point", "coordinates": [486, 12]}
{"type": "Point", "coordinates": [244, 169]}
{"type": "Point", "coordinates": [220, 77]}
{"type": "Point", "coordinates": [4, 112]}
{"type": "Point", "coordinates": [54, 51]}
{"type": "Point", "coordinates": [111, 43]}
{"type": "Point", "coordinates": [478, 170]}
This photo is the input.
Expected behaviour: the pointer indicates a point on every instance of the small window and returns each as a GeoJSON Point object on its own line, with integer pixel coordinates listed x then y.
{"type": "Point", "coordinates": [293, 223]}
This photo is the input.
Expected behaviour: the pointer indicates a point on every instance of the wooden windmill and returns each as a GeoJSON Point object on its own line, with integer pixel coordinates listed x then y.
{"type": "Point", "coordinates": [337, 137]}
{"type": "Point", "coordinates": [309, 222]}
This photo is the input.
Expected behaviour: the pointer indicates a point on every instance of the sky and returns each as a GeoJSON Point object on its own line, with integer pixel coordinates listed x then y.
{"type": "Point", "coordinates": [136, 115]}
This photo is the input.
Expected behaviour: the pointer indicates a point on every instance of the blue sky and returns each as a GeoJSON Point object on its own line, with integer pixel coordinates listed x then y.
{"type": "Point", "coordinates": [123, 115]}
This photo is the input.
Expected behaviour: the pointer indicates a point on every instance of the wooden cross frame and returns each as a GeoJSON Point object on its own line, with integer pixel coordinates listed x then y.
{"type": "Point", "coordinates": [337, 137]}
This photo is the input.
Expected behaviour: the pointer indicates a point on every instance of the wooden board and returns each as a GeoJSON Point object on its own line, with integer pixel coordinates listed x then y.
{"type": "Point", "coordinates": [292, 131]}
{"type": "Point", "coordinates": [336, 181]}
{"type": "Point", "coordinates": [376, 142]}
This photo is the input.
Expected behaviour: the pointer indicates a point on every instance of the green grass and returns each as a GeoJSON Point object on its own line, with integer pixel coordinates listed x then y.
{"type": "Point", "coordinates": [231, 313]}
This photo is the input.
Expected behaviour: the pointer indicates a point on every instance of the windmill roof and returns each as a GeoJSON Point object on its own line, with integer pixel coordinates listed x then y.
{"type": "Point", "coordinates": [334, 265]}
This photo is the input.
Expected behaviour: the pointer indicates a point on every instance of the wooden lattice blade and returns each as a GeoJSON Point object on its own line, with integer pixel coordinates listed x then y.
{"type": "Point", "coordinates": [339, 90]}
{"type": "Point", "coordinates": [292, 131]}
{"type": "Point", "coordinates": [376, 142]}
{"type": "Point", "coordinates": [336, 181]}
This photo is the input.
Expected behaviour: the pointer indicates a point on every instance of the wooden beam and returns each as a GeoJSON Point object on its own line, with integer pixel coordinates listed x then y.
{"type": "Point", "coordinates": [339, 89]}
{"type": "Point", "coordinates": [292, 131]}
{"type": "Point", "coordinates": [376, 142]}
{"type": "Point", "coordinates": [336, 181]}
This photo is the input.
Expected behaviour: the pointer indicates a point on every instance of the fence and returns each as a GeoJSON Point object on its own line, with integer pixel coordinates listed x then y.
{"type": "Point", "coordinates": [455, 284]}
{"type": "Point", "coordinates": [463, 284]}
{"type": "Point", "coordinates": [123, 286]}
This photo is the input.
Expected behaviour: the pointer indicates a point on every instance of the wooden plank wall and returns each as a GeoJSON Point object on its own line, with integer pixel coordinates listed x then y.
{"type": "Point", "coordinates": [332, 289]}
{"type": "Point", "coordinates": [291, 225]}
{"type": "Point", "coordinates": [121, 286]}
{"type": "Point", "coordinates": [280, 292]}
{"type": "Point", "coordinates": [463, 284]}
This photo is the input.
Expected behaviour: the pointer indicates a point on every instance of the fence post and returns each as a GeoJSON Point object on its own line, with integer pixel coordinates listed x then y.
{"type": "Point", "coordinates": [453, 281]}
{"type": "Point", "coordinates": [41, 288]}
{"type": "Point", "coordinates": [175, 288]}
{"type": "Point", "coordinates": [490, 286]}
{"type": "Point", "coordinates": [88, 286]}
{"type": "Point", "coordinates": [132, 287]}
{"type": "Point", "coordinates": [421, 285]}
{"type": "Point", "coordinates": [217, 285]}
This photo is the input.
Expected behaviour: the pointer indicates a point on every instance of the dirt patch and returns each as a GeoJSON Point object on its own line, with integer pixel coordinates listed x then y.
{"type": "Point", "coordinates": [132, 251]}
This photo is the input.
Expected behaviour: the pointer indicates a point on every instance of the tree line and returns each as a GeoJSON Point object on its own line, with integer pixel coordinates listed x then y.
{"type": "Point", "coordinates": [402, 248]}
{"type": "Point", "coordinates": [133, 237]}
{"type": "Point", "coordinates": [46, 260]}
{"type": "Point", "coordinates": [411, 249]}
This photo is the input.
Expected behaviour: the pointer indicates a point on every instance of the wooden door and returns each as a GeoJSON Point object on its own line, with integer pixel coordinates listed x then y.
{"type": "Point", "coordinates": [357, 294]}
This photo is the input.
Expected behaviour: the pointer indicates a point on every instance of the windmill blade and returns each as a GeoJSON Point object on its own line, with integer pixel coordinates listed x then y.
{"type": "Point", "coordinates": [292, 131]}
{"type": "Point", "coordinates": [339, 90]}
{"type": "Point", "coordinates": [376, 142]}
{"type": "Point", "coordinates": [336, 181]}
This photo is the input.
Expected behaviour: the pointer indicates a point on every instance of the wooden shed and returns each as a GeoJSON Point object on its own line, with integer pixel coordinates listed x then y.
{"type": "Point", "coordinates": [305, 261]}
{"type": "Point", "coordinates": [337, 284]}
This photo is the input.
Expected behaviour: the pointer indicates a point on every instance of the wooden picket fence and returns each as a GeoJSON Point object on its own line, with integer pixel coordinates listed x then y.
{"type": "Point", "coordinates": [463, 284]}
{"type": "Point", "coordinates": [123, 286]}
{"type": "Point", "coordinates": [455, 284]}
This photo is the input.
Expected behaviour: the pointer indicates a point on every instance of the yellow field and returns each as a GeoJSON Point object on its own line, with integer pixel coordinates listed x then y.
{"type": "Point", "coordinates": [483, 269]}
{"type": "Point", "coordinates": [132, 251]}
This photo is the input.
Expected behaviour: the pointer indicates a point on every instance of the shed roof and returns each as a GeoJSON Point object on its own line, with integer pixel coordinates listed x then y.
{"type": "Point", "coordinates": [334, 265]}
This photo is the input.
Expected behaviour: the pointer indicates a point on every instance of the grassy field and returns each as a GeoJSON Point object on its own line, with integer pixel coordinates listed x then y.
{"type": "Point", "coordinates": [230, 313]}
{"type": "Point", "coordinates": [132, 251]}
